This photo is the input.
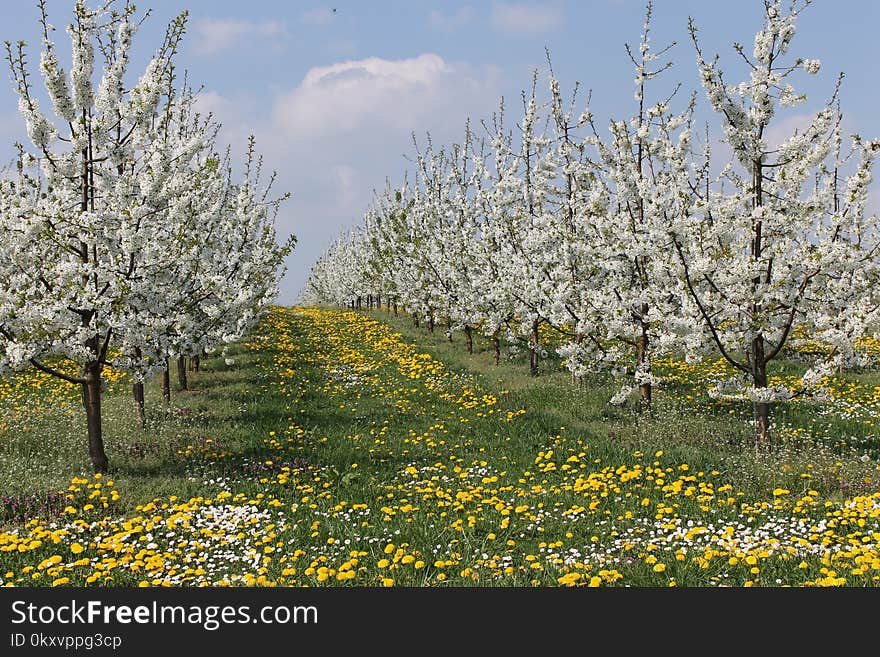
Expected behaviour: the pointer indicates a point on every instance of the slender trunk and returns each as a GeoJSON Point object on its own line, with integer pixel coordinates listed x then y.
{"type": "Point", "coordinates": [137, 391]}
{"type": "Point", "coordinates": [92, 392]}
{"type": "Point", "coordinates": [576, 380]}
{"type": "Point", "coordinates": [533, 353]}
{"type": "Point", "coordinates": [643, 364]}
{"type": "Point", "coordinates": [369, 302]}
{"type": "Point", "coordinates": [395, 309]}
{"type": "Point", "coordinates": [449, 329]}
{"type": "Point", "coordinates": [378, 302]}
{"type": "Point", "coordinates": [416, 321]}
{"type": "Point", "coordinates": [166, 383]}
{"type": "Point", "coordinates": [359, 304]}
{"type": "Point", "coordinates": [761, 410]}
{"type": "Point", "coordinates": [496, 348]}
{"type": "Point", "coordinates": [92, 371]}
{"type": "Point", "coordinates": [469, 338]}
{"type": "Point", "coordinates": [181, 373]}
{"type": "Point", "coordinates": [196, 363]}
{"type": "Point", "coordinates": [431, 321]}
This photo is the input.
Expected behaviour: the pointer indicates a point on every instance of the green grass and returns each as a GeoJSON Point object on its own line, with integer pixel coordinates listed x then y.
{"type": "Point", "coordinates": [336, 445]}
{"type": "Point", "coordinates": [711, 434]}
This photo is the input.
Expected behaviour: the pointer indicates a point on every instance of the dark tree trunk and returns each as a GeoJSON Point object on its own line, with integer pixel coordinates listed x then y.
{"type": "Point", "coordinates": [92, 394]}
{"type": "Point", "coordinates": [378, 302]}
{"type": "Point", "coordinates": [196, 363]}
{"type": "Point", "coordinates": [449, 329]}
{"type": "Point", "coordinates": [137, 391]}
{"type": "Point", "coordinates": [166, 383]}
{"type": "Point", "coordinates": [496, 348]}
{"type": "Point", "coordinates": [534, 353]}
{"type": "Point", "coordinates": [431, 322]}
{"type": "Point", "coordinates": [181, 373]}
{"type": "Point", "coordinates": [395, 309]}
{"type": "Point", "coordinates": [576, 380]}
{"type": "Point", "coordinates": [469, 338]}
{"type": "Point", "coordinates": [761, 410]}
{"type": "Point", "coordinates": [641, 360]}
{"type": "Point", "coordinates": [416, 321]}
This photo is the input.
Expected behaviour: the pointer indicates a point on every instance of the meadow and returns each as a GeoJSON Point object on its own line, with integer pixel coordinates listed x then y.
{"type": "Point", "coordinates": [349, 448]}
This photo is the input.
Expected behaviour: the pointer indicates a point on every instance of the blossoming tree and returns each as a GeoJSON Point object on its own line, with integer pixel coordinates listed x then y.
{"type": "Point", "coordinates": [784, 244]}
{"type": "Point", "coordinates": [623, 297]}
{"type": "Point", "coordinates": [102, 229]}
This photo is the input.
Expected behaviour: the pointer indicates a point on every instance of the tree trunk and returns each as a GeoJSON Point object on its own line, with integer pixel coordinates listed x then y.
{"type": "Point", "coordinates": [369, 302]}
{"type": "Point", "coordinates": [378, 302]}
{"type": "Point", "coordinates": [92, 391]}
{"type": "Point", "coordinates": [395, 309]}
{"type": "Point", "coordinates": [533, 353]}
{"type": "Point", "coordinates": [449, 329]}
{"type": "Point", "coordinates": [431, 322]}
{"type": "Point", "coordinates": [137, 391]}
{"type": "Point", "coordinates": [181, 373]}
{"type": "Point", "coordinates": [196, 363]}
{"type": "Point", "coordinates": [496, 347]}
{"type": "Point", "coordinates": [643, 363]}
{"type": "Point", "coordinates": [576, 380]}
{"type": "Point", "coordinates": [359, 303]}
{"type": "Point", "coordinates": [416, 321]}
{"type": "Point", "coordinates": [469, 338]}
{"type": "Point", "coordinates": [166, 383]}
{"type": "Point", "coordinates": [761, 410]}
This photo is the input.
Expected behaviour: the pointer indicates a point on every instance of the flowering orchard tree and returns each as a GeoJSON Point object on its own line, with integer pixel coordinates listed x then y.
{"type": "Point", "coordinates": [383, 233]}
{"type": "Point", "coordinates": [223, 267]}
{"type": "Point", "coordinates": [101, 223]}
{"type": "Point", "coordinates": [427, 218]}
{"type": "Point", "coordinates": [495, 299]}
{"type": "Point", "coordinates": [459, 231]}
{"type": "Point", "coordinates": [784, 244]}
{"type": "Point", "coordinates": [517, 208]}
{"type": "Point", "coordinates": [624, 303]}
{"type": "Point", "coordinates": [339, 274]}
{"type": "Point", "coordinates": [80, 205]}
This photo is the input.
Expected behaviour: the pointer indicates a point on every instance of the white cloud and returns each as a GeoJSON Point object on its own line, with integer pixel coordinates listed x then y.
{"type": "Point", "coordinates": [347, 180]}
{"type": "Point", "coordinates": [344, 129]}
{"type": "Point", "coordinates": [379, 94]}
{"type": "Point", "coordinates": [525, 18]}
{"type": "Point", "coordinates": [213, 35]}
{"type": "Point", "coordinates": [210, 102]}
{"type": "Point", "coordinates": [463, 16]}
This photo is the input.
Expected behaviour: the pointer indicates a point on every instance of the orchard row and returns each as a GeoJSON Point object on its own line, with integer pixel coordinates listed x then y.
{"type": "Point", "coordinates": [637, 242]}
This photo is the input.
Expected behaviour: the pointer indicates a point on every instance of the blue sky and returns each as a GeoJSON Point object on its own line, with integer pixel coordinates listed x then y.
{"type": "Point", "coordinates": [333, 97]}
